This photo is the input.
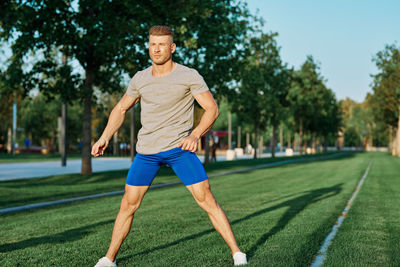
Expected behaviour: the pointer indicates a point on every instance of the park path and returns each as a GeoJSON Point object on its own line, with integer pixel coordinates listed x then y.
{"type": "Point", "coordinates": [12, 171]}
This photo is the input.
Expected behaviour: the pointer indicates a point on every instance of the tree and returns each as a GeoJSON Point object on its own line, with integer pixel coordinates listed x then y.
{"type": "Point", "coordinates": [39, 120]}
{"type": "Point", "coordinates": [108, 38]}
{"type": "Point", "coordinates": [379, 131]}
{"type": "Point", "coordinates": [353, 126]}
{"type": "Point", "coordinates": [261, 95]}
{"type": "Point", "coordinates": [326, 120]}
{"type": "Point", "coordinates": [386, 87]}
{"type": "Point", "coordinates": [313, 106]}
{"type": "Point", "coordinates": [11, 92]}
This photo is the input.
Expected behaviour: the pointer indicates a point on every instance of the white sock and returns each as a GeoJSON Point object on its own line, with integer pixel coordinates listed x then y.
{"type": "Point", "coordinates": [106, 262]}
{"type": "Point", "coordinates": [239, 258]}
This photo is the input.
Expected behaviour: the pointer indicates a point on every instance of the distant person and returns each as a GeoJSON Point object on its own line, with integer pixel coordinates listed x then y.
{"type": "Point", "coordinates": [27, 142]}
{"type": "Point", "coordinates": [166, 91]}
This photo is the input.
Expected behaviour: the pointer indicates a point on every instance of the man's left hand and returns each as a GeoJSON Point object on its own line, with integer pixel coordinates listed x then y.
{"type": "Point", "coordinates": [189, 143]}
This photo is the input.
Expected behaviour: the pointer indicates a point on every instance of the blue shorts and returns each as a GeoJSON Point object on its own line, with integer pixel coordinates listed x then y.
{"type": "Point", "coordinates": [185, 164]}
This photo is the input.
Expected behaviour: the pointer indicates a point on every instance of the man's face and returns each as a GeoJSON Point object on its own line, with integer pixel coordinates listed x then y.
{"type": "Point", "coordinates": [161, 48]}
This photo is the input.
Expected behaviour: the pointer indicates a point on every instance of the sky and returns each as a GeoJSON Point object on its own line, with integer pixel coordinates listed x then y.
{"type": "Point", "coordinates": [342, 36]}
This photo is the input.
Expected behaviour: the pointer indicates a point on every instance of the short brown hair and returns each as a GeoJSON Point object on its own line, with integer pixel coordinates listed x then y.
{"type": "Point", "coordinates": [161, 30]}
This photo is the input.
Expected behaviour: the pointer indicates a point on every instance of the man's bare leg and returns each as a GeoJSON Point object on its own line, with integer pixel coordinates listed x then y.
{"type": "Point", "coordinates": [202, 194]}
{"type": "Point", "coordinates": [129, 204]}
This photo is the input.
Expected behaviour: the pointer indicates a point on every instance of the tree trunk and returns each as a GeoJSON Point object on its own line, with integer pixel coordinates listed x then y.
{"type": "Point", "coordinates": [313, 144]}
{"type": "Point", "coordinates": [325, 144]}
{"type": "Point", "coordinates": [239, 144]}
{"type": "Point", "coordinates": [207, 149]}
{"type": "Point", "coordinates": [87, 124]}
{"type": "Point", "coordinates": [370, 137]}
{"type": "Point", "coordinates": [280, 138]}
{"type": "Point", "coordinates": [115, 144]}
{"type": "Point", "coordinates": [256, 141]}
{"type": "Point", "coordinates": [391, 144]}
{"type": "Point", "coordinates": [14, 132]}
{"type": "Point", "coordinates": [63, 135]}
{"type": "Point", "coordinates": [301, 136]}
{"type": "Point", "coordinates": [394, 141]}
{"type": "Point", "coordinates": [398, 135]}
{"type": "Point", "coordinates": [260, 146]}
{"type": "Point", "coordinates": [229, 130]}
{"type": "Point", "coordinates": [64, 126]}
{"type": "Point", "coordinates": [306, 140]}
{"type": "Point", "coordinates": [53, 142]}
{"type": "Point", "coordinates": [319, 143]}
{"type": "Point", "coordinates": [273, 140]}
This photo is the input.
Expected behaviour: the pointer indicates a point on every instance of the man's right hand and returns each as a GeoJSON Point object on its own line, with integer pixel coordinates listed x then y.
{"type": "Point", "coordinates": [99, 147]}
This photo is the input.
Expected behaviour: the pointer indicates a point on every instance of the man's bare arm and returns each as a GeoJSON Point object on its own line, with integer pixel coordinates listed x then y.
{"type": "Point", "coordinates": [115, 120]}
{"type": "Point", "coordinates": [207, 102]}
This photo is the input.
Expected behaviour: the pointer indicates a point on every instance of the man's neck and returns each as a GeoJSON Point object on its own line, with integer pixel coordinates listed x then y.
{"type": "Point", "coordinates": [164, 69]}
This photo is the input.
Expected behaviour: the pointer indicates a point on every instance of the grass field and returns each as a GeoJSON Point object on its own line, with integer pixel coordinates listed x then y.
{"type": "Point", "coordinates": [370, 235]}
{"type": "Point", "coordinates": [280, 217]}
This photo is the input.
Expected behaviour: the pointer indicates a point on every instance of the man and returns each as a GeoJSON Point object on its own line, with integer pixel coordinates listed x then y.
{"type": "Point", "coordinates": [166, 91]}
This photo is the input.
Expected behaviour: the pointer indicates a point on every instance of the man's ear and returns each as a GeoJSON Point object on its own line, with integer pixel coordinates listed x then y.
{"type": "Point", "coordinates": [173, 47]}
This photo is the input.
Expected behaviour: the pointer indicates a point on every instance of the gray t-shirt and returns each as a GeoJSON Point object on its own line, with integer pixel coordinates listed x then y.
{"type": "Point", "coordinates": [166, 106]}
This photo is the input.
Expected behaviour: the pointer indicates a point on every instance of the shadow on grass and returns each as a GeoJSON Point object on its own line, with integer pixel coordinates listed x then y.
{"type": "Point", "coordinates": [66, 236]}
{"type": "Point", "coordinates": [296, 205]}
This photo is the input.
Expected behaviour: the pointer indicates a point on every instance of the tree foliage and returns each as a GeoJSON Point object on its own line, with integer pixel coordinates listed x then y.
{"type": "Point", "coordinates": [313, 105]}
{"type": "Point", "coordinates": [260, 98]}
{"type": "Point", "coordinates": [386, 87]}
{"type": "Point", "coordinates": [108, 39]}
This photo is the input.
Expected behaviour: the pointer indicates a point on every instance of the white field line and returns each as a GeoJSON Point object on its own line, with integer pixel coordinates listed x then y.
{"type": "Point", "coordinates": [323, 251]}
{"type": "Point", "coordinates": [70, 200]}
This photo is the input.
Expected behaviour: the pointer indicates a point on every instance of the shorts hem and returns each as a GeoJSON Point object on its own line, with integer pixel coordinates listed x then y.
{"type": "Point", "coordinates": [137, 184]}
{"type": "Point", "coordinates": [196, 181]}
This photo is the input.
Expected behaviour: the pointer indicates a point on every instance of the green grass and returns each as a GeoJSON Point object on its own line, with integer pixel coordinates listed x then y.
{"type": "Point", "coordinates": [26, 191]}
{"type": "Point", "coordinates": [280, 217]}
{"type": "Point", "coordinates": [370, 234]}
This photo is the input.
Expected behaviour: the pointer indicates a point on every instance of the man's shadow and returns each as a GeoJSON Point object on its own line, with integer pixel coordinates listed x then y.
{"type": "Point", "coordinates": [58, 238]}
{"type": "Point", "coordinates": [295, 206]}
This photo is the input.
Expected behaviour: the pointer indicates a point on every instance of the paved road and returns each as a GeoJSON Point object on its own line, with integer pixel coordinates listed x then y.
{"type": "Point", "coordinates": [11, 171]}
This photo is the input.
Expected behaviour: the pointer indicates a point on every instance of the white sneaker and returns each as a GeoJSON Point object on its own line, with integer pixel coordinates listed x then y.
{"type": "Point", "coordinates": [106, 262]}
{"type": "Point", "coordinates": [239, 258]}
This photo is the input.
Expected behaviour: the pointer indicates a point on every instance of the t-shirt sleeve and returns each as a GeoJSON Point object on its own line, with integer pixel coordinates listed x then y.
{"type": "Point", "coordinates": [197, 84]}
{"type": "Point", "coordinates": [132, 90]}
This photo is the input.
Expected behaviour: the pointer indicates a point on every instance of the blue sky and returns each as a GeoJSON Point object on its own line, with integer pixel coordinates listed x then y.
{"type": "Point", "coordinates": [343, 36]}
